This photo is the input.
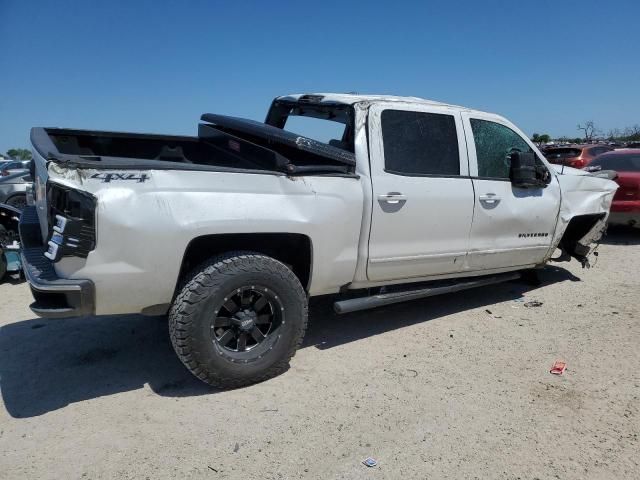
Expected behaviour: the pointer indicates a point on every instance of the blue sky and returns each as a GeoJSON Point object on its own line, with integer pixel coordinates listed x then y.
{"type": "Point", "coordinates": [155, 66]}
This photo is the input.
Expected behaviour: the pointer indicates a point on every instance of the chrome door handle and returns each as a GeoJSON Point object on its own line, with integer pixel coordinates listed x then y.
{"type": "Point", "coordinates": [392, 198]}
{"type": "Point", "coordinates": [490, 198]}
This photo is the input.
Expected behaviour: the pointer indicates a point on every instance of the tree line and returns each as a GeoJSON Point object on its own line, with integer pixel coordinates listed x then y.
{"type": "Point", "coordinates": [18, 154]}
{"type": "Point", "coordinates": [592, 133]}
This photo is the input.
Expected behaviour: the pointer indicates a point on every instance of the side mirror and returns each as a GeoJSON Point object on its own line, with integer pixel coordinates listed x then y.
{"type": "Point", "coordinates": [522, 171]}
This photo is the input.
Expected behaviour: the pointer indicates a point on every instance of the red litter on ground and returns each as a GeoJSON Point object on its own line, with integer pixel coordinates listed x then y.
{"type": "Point", "coordinates": [558, 368]}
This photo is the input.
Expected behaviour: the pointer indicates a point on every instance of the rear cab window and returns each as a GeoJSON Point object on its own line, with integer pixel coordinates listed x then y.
{"type": "Point", "coordinates": [326, 122]}
{"type": "Point", "coordinates": [599, 150]}
{"type": "Point", "coordinates": [420, 143]}
{"type": "Point", "coordinates": [552, 154]}
{"type": "Point", "coordinates": [618, 161]}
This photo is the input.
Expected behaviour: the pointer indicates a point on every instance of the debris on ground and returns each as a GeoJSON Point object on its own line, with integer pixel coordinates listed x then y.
{"type": "Point", "coordinates": [533, 303]}
{"type": "Point", "coordinates": [488, 311]}
{"type": "Point", "coordinates": [558, 368]}
{"type": "Point", "coordinates": [236, 448]}
{"type": "Point", "coordinates": [370, 462]}
{"type": "Point", "coordinates": [521, 299]}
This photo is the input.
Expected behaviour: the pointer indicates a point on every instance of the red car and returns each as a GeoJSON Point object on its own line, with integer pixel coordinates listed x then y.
{"type": "Point", "coordinates": [625, 209]}
{"type": "Point", "coordinates": [576, 156]}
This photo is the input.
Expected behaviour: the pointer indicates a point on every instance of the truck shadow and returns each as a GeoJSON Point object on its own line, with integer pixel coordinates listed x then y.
{"type": "Point", "coordinates": [328, 329]}
{"type": "Point", "coordinates": [46, 365]}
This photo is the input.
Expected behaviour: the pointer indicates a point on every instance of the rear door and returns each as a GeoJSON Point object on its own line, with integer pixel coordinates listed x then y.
{"type": "Point", "coordinates": [511, 226]}
{"type": "Point", "coordinates": [422, 193]}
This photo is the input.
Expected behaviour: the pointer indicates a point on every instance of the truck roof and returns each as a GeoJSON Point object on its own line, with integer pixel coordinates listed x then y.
{"type": "Point", "coordinates": [353, 98]}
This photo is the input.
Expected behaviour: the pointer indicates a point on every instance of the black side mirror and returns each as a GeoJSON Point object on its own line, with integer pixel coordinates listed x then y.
{"type": "Point", "coordinates": [522, 171]}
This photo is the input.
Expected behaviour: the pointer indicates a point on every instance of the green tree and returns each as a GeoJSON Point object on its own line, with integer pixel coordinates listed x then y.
{"type": "Point", "coordinates": [545, 138]}
{"type": "Point", "coordinates": [19, 154]}
{"type": "Point", "coordinates": [540, 139]}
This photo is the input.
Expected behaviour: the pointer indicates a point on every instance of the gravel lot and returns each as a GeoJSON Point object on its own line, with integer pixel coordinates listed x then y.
{"type": "Point", "coordinates": [455, 387]}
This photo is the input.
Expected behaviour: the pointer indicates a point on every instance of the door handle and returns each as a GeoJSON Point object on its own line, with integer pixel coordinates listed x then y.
{"type": "Point", "coordinates": [490, 198]}
{"type": "Point", "coordinates": [392, 198]}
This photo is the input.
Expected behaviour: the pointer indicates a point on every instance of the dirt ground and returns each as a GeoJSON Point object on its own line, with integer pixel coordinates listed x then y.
{"type": "Point", "coordinates": [454, 387]}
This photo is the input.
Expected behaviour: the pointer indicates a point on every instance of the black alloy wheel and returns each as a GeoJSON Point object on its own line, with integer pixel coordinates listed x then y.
{"type": "Point", "coordinates": [249, 317]}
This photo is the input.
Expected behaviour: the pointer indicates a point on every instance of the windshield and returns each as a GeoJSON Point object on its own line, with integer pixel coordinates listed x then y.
{"type": "Point", "coordinates": [12, 166]}
{"type": "Point", "coordinates": [620, 162]}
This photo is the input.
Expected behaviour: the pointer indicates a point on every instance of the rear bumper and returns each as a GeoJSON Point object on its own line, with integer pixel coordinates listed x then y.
{"type": "Point", "coordinates": [55, 297]}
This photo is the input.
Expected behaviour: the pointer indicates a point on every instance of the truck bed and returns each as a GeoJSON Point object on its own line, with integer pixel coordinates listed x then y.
{"type": "Point", "coordinates": [223, 143]}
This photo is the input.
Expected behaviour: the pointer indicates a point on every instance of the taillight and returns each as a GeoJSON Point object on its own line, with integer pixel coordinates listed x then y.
{"type": "Point", "coordinates": [578, 163]}
{"type": "Point", "coordinates": [72, 221]}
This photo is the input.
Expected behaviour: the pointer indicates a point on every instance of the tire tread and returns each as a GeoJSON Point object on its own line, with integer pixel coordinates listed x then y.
{"type": "Point", "coordinates": [212, 274]}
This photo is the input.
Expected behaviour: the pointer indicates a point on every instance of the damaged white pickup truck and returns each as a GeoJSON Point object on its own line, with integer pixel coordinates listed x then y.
{"type": "Point", "coordinates": [231, 231]}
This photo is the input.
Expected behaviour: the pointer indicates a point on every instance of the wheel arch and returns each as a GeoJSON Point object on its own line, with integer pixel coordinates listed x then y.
{"type": "Point", "coordinates": [578, 227]}
{"type": "Point", "coordinates": [293, 249]}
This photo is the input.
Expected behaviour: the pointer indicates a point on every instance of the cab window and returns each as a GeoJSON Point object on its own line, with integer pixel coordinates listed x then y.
{"type": "Point", "coordinates": [494, 142]}
{"type": "Point", "coordinates": [420, 143]}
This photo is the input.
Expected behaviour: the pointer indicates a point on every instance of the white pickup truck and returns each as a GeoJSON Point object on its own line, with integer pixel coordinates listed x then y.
{"type": "Point", "coordinates": [231, 231]}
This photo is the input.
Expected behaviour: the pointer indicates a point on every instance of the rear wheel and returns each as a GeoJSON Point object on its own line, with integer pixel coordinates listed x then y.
{"type": "Point", "coordinates": [238, 319]}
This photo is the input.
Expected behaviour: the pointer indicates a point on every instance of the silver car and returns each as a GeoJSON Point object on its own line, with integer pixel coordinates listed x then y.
{"type": "Point", "coordinates": [14, 183]}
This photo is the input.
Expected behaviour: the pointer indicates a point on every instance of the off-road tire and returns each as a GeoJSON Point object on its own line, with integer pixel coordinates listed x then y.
{"type": "Point", "coordinates": [192, 313]}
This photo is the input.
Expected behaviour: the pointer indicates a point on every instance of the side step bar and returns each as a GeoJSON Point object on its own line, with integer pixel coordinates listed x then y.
{"type": "Point", "coordinates": [374, 301]}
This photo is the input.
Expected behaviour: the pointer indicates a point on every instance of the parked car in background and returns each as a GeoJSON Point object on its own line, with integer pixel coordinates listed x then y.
{"type": "Point", "coordinates": [13, 166]}
{"type": "Point", "coordinates": [13, 187]}
{"type": "Point", "coordinates": [625, 209]}
{"type": "Point", "coordinates": [576, 156]}
{"type": "Point", "coordinates": [9, 241]}
{"type": "Point", "coordinates": [633, 145]}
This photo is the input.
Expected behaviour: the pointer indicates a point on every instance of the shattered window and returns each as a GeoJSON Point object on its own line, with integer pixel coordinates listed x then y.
{"type": "Point", "coordinates": [494, 143]}
{"type": "Point", "coordinates": [418, 143]}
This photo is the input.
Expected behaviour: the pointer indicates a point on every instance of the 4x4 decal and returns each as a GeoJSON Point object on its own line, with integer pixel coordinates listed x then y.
{"type": "Point", "coordinates": [113, 176]}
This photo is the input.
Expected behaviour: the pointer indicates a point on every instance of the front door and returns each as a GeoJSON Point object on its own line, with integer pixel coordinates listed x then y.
{"type": "Point", "coordinates": [511, 226]}
{"type": "Point", "coordinates": [422, 194]}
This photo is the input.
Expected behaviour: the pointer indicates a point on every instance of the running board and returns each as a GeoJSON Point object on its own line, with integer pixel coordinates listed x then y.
{"type": "Point", "coordinates": [374, 301]}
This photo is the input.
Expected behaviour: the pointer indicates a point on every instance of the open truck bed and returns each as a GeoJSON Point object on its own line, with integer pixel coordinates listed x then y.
{"type": "Point", "coordinates": [223, 143]}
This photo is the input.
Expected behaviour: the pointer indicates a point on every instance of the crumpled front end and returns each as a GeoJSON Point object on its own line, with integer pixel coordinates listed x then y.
{"type": "Point", "coordinates": [584, 209]}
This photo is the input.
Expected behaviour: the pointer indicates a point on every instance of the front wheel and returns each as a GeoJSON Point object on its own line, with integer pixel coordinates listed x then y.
{"type": "Point", "coordinates": [238, 319]}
